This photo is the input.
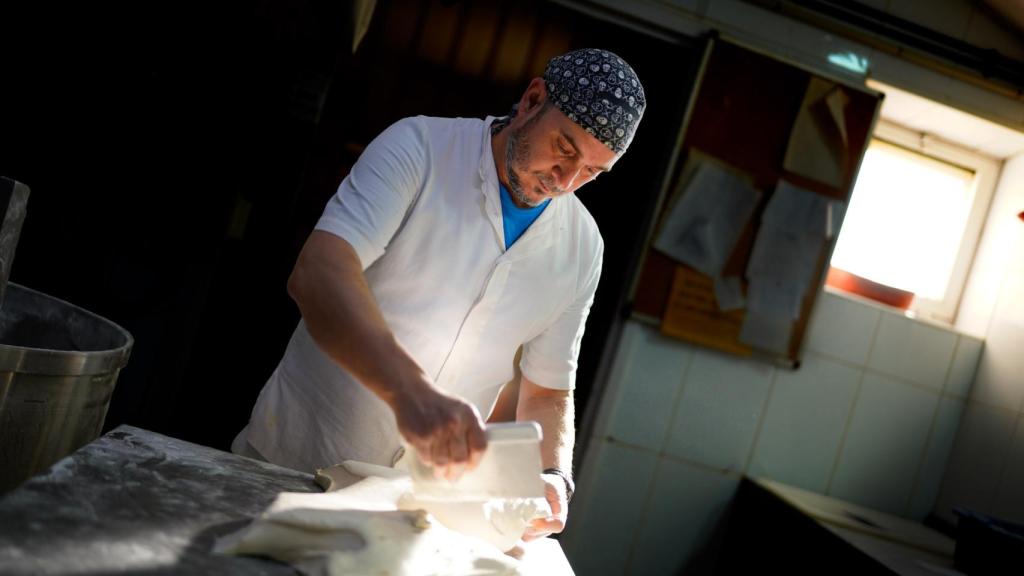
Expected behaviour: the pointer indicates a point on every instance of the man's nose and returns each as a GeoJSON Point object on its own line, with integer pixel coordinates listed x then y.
{"type": "Point", "coordinates": [566, 174]}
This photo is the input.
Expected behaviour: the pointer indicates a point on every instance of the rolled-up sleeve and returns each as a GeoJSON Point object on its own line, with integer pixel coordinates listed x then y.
{"type": "Point", "coordinates": [373, 199]}
{"type": "Point", "coordinates": [550, 359]}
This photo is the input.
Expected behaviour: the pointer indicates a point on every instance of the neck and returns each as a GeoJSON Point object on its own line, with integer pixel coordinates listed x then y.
{"type": "Point", "coordinates": [499, 144]}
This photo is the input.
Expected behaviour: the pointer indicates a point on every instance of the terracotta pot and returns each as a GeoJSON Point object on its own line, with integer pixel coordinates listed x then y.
{"type": "Point", "coordinates": [849, 282]}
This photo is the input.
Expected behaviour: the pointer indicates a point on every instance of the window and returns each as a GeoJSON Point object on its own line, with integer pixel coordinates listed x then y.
{"type": "Point", "coordinates": [914, 217]}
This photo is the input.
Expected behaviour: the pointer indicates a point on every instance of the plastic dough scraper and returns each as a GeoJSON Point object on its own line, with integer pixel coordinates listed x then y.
{"type": "Point", "coordinates": [510, 468]}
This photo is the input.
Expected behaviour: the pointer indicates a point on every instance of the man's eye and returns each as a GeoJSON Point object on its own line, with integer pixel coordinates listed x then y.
{"type": "Point", "coordinates": [564, 149]}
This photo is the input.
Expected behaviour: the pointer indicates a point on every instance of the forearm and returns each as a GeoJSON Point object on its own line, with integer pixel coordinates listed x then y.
{"type": "Point", "coordinates": [345, 321]}
{"type": "Point", "coordinates": [554, 411]}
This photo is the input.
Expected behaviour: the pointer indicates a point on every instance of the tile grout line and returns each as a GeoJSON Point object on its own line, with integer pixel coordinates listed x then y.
{"type": "Point", "coordinates": [853, 408]}
{"type": "Point", "coordinates": [760, 421]}
{"type": "Point", "coordinates": [644, 509]}
{"type": "Point", "coordinates": [949, 364]}
{"type": "Point", "coordinates": [922, 458]}
{"type": "Point", "coordinates": [669, 456]}
{"type": "Point", "coordinates": [874, 341]}
{"type": "Point", "coordinates": [649, 496]}
{"type": "Point", "coordinates": [622, 365]}
{"type": "Point", "coordinates": [894, 378]}
{"type": "Point", "coordinates": [676, 401]}
{"type": "Point", "coordinates": [885, 310]}
{"type": "Point", "coordinates": [842, 438]}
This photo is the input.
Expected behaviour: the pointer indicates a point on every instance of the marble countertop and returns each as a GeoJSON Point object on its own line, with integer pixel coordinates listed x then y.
{"type": "Point", "coordinates": [137, 502]}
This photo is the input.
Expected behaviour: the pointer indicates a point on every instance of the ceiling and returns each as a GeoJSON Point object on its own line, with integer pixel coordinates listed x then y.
{"type": "Point", "coordinates": [947, 123]}
{"type": "Point", "coordinates": [1011, 11]}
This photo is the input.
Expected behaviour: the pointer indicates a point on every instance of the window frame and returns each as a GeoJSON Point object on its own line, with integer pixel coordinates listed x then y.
{"type": "Point", "coordinates": [986, 170]}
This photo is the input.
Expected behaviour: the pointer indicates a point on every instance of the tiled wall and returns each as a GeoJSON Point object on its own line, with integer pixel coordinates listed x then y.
{"type": "Point", "coordinates": [986, 470]}
{"type": "Point", "coordinates": [869, 417]}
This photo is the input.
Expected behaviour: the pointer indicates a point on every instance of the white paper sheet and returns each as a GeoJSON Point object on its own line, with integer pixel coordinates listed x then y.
{"type": "Point", "coordinates": [704, 224]}
{"type": "Point", "coordinates": [783, 255]}
{"type": "Point", "coordinates": [800, 210]}
{"type": "Point", "coordinates": [770, 333]}
{"type": "Point", "coordinates": [817, 145]}
{"type": "Point", "coordinates": [794, 230]}
{"type": "Point", "coordinates": [775, 297]}
{"type": "Point", "coordinates": [729, 293]}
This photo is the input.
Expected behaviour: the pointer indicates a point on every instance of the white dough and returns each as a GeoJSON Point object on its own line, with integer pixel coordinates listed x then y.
{"type": "Point", "coordinates": [341, 542]}
{"type": "Point", "coordinates": [501, 522]}
{"type": "Point", "coordinates": [359, 530]}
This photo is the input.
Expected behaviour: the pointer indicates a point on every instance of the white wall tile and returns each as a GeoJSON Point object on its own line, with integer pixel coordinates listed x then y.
{"type": "Point", "coordinates": [908, 349]}
{"type": "Point", "coordinates": [614, 483]}
{"type": "Point", "coordinates": [977, 461]}
{"type": "Point", "coordinates": [1000, 378]}
{"type": "Point", "coordinates": [1009, 499]}
{"type": "Point", "coordinates": [685, 507]}
{"type": "Point", "coordinates": [645, 391]}
{"type": "Point", "coordinates": [842, 328]}
{"type": "Point", "coordinates": [940, 446]}
{"type": "Point", "coordinates": [965, 366]}
{"type": "Point", "coordinates": [949, 17]}
{"type": "Point", "coordinates": [722, 402]}
{"type": "Point", "coordinates": [804, 423]}
{"type": "Point", "coordinates": [613, 390]}
{"type": "Point", "coordinates": [884, 444]}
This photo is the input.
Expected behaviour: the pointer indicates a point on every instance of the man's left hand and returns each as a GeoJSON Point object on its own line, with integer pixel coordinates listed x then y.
{"type": "Point", "coordinates": [554, 491]}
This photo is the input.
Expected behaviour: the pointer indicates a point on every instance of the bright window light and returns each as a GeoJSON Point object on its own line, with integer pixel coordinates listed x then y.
{"type": "Point", "coordinates": [906, 220]}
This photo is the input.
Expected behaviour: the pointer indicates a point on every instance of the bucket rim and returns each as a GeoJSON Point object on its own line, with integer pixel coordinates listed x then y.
{"type": "Point", "coordinates": [50, 362]}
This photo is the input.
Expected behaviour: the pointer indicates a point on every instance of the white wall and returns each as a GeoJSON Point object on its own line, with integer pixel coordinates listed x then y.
{"type": "Point", "coordinates": [986, 471]}
{"type": "Point", "coordinates": [872, 414]}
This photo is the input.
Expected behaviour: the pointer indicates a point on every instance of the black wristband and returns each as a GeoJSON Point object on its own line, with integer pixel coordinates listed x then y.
{"type": "Point", "coordinates": [569, 486]}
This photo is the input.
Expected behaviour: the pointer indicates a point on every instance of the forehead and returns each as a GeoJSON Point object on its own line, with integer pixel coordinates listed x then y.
{"type": "Point", "coordinates": [594, 152]}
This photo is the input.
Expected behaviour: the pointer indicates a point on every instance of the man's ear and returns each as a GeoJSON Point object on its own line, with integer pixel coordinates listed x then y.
{"type": "Point", "coordinates": [534, 97]}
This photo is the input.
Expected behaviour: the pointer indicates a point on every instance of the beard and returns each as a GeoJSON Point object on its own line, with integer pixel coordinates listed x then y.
{"type": "Point", "coordinates": [517, 157]}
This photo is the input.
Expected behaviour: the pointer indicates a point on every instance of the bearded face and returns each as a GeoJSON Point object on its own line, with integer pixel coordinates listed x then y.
{"type": "Point", "coordinates": [518, 155]}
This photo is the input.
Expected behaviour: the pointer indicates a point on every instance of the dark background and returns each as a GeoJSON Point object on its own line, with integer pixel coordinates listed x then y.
{"type": "Point", "coordinates": [180, 153]}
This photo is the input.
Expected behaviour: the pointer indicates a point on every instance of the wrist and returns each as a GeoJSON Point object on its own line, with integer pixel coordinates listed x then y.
{"type": "Point", "coordinates": [404, 386]}
{"type": "Point", "coordinates": [570, 486]}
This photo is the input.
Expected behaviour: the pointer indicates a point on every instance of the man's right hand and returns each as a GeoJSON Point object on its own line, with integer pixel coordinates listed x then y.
{"type": "Point", "coordinates": [345, 321]}
{"type": "Point", "coordinates": [446, 432]}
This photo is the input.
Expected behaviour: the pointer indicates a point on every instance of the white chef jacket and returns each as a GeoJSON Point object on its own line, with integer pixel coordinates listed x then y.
{"type": "Point", "coordinates": [421, 208]}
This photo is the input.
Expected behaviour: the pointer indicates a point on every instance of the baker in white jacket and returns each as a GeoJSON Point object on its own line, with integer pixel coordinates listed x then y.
{"type": "Point", "coordinates": [452, 243]}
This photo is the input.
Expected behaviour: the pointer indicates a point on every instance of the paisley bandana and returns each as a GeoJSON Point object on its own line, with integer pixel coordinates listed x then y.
{"type": "Point", "coordinates": [599, 91]}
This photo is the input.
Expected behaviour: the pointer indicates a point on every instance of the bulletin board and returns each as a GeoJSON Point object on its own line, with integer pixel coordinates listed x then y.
{"type": "Point", "coordinates": [763, 125]}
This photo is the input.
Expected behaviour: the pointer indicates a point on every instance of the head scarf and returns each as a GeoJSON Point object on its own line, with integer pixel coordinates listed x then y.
{"type": "Point", "coordinates": [599, 91]}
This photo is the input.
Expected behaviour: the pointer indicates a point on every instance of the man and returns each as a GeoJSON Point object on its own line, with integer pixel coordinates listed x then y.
{"type": "Point", "coordinates": [450, 244]}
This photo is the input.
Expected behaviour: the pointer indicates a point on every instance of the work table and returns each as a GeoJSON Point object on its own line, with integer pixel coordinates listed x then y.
{"type": "Point", "coordinates": [137, 502]}
{"type": "Point", "coordinates": [777, 527]}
